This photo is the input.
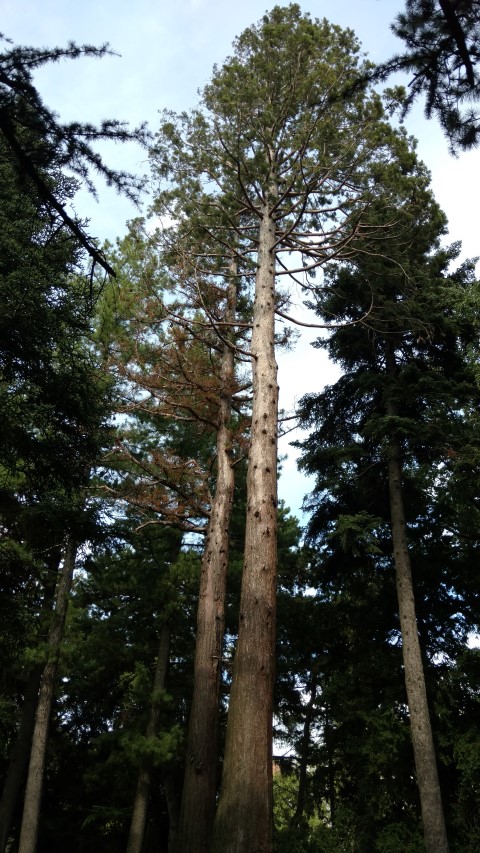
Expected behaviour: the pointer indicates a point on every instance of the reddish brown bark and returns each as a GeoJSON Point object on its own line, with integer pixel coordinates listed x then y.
{"type": "Point", "coordinates": [200, 783]}
{"type": "Point", "coordinates": [243, 822]}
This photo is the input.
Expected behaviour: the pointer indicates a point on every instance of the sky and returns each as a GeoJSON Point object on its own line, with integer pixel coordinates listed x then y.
{"type": "Point", "coordinates": [165, 53]}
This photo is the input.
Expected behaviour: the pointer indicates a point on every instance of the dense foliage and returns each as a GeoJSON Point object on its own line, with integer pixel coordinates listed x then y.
{"type": "Point", "coordinates": [441, 54]}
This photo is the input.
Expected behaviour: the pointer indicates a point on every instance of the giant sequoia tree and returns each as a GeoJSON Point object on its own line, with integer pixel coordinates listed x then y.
{"type": "Point", "coordinates": [285, 162]}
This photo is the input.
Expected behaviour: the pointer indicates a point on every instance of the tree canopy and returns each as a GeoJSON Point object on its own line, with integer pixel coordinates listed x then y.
{"type": "Point", "coordinates": [442, 52]}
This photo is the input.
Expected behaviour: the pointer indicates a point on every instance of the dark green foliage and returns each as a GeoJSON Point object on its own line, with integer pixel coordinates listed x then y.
{"type": "Point", "coordinates": [414, 310]}
{"type": "Point", "coordinates": [54, 404]}
{"type": "Point", "coordinates": [127, 589]}
{"type": "Point", "coordinates": [30, 131]}
{"type": "Point", "coordinates": [442, 41]}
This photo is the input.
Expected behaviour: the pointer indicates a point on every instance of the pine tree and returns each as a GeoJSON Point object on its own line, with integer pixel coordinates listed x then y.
{"type": "Point", "coordinates": [279, 156]}
{"type": "Point", "coordinates": [405, 369]}
{"type": "Point", "coordinates": [179, 348]}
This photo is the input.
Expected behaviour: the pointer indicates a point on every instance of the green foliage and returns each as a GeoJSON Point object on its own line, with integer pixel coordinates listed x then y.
{"type": "Point", "coordinates": [32, 134]}
{"type": "Point", "coordinates": [442, 41]}
{"type": "Point", "coordinates": [357, 533]}
{"type": "Point", "coordinates": [158, 750]}
{"type": "Point", "coordinates": [415, 311]}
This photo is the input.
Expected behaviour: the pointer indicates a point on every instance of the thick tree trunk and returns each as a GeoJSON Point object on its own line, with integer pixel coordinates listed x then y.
{"type": "Point", "coordinates": [244, 821]}
{"type": "Point", "coordinates": [424, 752]}
{"type": "Point", "coordinates": [33, 792]}
{"type": "Point", "coordinates": [200, 782]}
{"type": "Point", "coordinates": [142, 795]}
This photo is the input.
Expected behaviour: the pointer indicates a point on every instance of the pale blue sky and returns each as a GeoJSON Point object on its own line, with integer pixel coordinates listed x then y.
{"type": "Point", "coordinates": [167, 52]}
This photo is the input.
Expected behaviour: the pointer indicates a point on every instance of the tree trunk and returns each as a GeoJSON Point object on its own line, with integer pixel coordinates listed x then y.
{"type": "Point", "coordinates": [19, 756]}
{"type": "Point", "coordinates": [33, 792]}
{"type": "Point", "coordinates": [424, 752]}
{"type": "Point", "coordinates": [304, 752]}
{"type": "Point", "coordinates": [21, 748]}
{"type": "Point", "coordinates": [140, 806]}
{"type": "Point", "coordinates": [200, 782]}
{"type": "Point", "coordinates": [328, 735]}
{"type": "Point", "coordinates": [244, 821]}
{"type": "Point", "coordinates": [172, 798]}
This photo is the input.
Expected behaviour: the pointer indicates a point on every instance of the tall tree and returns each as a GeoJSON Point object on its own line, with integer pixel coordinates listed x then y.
{"type": "Point", "coordinates": [396, 384]}
{"type": "Point", "coordinates": [285, 163]}
{"type": "Point", "coordinates": [181, 351]}
{"type": "Point", "coordinates": [53, 402]}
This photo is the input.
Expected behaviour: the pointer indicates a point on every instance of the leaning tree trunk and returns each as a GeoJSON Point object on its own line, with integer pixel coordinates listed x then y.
{"type": "Point", "coordinates": [305, 752]}
{"type": "Point", "coordinates": [142, 795]}
{"type": "Point", "coordinates": [200, 783]}
{"type": "Point", "coordinates": [434, 831]}
{"type": "Point", "coordinates": [244, 820]}
{"type": "Point", "coordinates": [19, 756]}
{"type": "Point", "coordinates": [33, 792]}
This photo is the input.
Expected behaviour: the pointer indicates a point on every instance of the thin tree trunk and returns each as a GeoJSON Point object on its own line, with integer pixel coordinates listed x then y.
{"type": "Point", "coordinates": [244, 820]}
{"type": "Point", "coordinates": [331, 768]}
{"type": "Point", "coordinates": [140, 806]}
{"type": "Point", "coordinates": [304, 752]}
{"type": "Point", "coordinates": [435, 835]}
{"type": "Point", "coordinates": [19, 756]}
{"type": "Point", "coordinates": [18, 762]}
{"type": "Point", "coordinates": [33, 792]}
{"type": "Point", "coordinates": [173, 809]}
{"type": "Point", "coordinates": [200, 782]}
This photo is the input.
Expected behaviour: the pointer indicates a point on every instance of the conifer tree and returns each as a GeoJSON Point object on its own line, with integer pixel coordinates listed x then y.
{"type": "Point", "coordinates": [178, 346]}
{"type": "Point", "coordinates": [31, 131]}
{"type": "Point", "coordinates": [54, 404]}
{"type": "Point", "coordinates": [442, 51]}
{"type": "Point", "coordinates": [277, 154]}
{"type": "Point", "coordinates": [405, 369]}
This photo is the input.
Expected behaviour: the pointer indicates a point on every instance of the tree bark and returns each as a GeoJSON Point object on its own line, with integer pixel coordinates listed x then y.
{"type": "Point", "coordinates": [304, 752]}
{"type": "Point", "coordinates": [19, 756]}
{"type": "Point", "coordinates": [33, 792]}
{"type": "Point", "coordinates": [172, 798]}
{"type": "Point", "coordinates": [434, 831]}
{"type": "Point", "coordinates": [200, 783]}
{"type": "Point", "coordinates": [21, 749]}
{"type": "Point", "coordinates": [244, 821]}
{"type": "Point", "coordinates": [142, 795]}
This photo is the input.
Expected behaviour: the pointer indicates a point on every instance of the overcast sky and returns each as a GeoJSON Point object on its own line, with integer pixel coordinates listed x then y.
{"type": "Point", "coordinates": [167, 50]}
